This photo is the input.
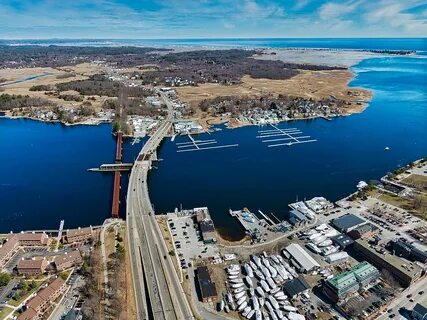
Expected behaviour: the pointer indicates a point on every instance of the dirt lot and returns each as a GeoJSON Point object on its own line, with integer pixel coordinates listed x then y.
{"type": "Point", "coordinates": [416, 181]}
{"type": "Point", "coordinates": [308, 84]}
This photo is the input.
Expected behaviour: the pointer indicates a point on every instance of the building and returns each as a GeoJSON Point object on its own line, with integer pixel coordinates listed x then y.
{"type": "Point", "coordinates": [364, 231]}
{"type": "Point", "coordinates": [79, 236]}
{"type": "Point", "coordinates": [347, 222]}
{"type": "Point", "coordinates": [32, 267]}
{"type": "Point", "coordinates": [67, 260]}
{"type": "Point", "coordinates": [201, 214]}
{"type": "Point", "coordinates": [295, 286]}
{"type": "Point", "coordinates": [348, 282]}
{"type": "Point", "coordinates": [29, 314]}
{"type": "Point", "coordinates": [8, 250]}
{"type": "Point", "coordinates": [420, 310]}
{"type": "Point", "coordinates": [296, 217]}
{"type": "Point", "coordinates": [341, 286]}
{"type": "Point", "coordinates": [45, 298]}
{"type": "Point", "coordinates": [32, 239]}
{"type": "Point", "coordinates": [408, 251]}
{"type": "Point", "coordinates": [337, 257]}
{"type": "Point", "coordinates": [342, 240]}
{"type": "Point", "coordinates": [406, 273]}
{"type": "Point", "coordinates": [300, 258]}
{"type": "Point", "coordinates": [207, 287]}
{"type": "Point", "coordinates": [208, 231]}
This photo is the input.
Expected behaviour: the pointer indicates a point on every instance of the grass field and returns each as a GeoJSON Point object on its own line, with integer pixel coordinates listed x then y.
{"type": "Point", "coordinates": [5, 312]}
{"type": "Point", "coordinates": [416, 181]}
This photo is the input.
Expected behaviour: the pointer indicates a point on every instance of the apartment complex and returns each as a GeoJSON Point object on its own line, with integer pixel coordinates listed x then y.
{"type": "Point", "coordinates": [67, 260]}
{"type": "Point", "coordinates": [32, 267]}
{"type": "Point", "coordinates": [32, 239]}
{"type": "Point", "coordinates": [44, 300]}
{"type": "Point", "coordinates": [8, 250]}
{"type": "Point", "coordinates": [79, 236]}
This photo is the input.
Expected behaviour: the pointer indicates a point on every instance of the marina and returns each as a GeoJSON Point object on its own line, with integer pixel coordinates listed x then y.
{"type": "Point", "coordinates": [291, 135]}
{"type": "Point", "coordinates": [199, 145]}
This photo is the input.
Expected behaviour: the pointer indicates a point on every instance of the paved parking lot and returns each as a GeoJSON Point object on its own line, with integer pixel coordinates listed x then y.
{"type": "Point", "coordinates": [187, 240]}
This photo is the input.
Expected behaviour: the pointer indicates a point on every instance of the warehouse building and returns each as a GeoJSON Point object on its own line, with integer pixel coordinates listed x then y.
{"type": "Point", "coordinates": [296, 286]}
{"type": "Point", "coordinates": [206, 286]}
{"type": "Point", "coordinates": [208, 231]}
{"type": "Point", "coordinates": [405, 273]}
{"type": "Point", "coordinates": [364, 231]}
{"type": "Point", "coordinates": [300, 258]}
{"type": "Point", "coordinates": [342, 240]}
{"type": "Point", "coordinates": [420, 310]}
{"type": "Point", "coordinates": [408, 251]}
{"type": "Point", "coordinates": [347, 222]}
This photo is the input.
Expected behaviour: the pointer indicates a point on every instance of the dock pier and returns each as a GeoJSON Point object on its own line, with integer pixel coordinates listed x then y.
{"type": "Point", "coordinates": [115, 207]}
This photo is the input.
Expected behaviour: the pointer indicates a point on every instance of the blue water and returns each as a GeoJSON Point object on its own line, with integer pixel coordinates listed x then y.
{"type": "Point", "coordinates": [43, 175]}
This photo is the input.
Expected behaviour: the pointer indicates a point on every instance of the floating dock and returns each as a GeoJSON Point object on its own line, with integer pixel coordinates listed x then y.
{"type": "Point", "coordinates": [283, 137]}
{"type": "Point", "coordinates": [199, 145]}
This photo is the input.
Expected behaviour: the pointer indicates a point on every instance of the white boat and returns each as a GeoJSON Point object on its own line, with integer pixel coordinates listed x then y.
{"type": "Point", "coordinates": [242, 306]}
{"type": "Point", "coordinates": [271, 283]}
{"type": "Point", "coordinates": [278, 294]}
{"type": "Point", "coordinates": [238, 280]}
{"type": "Point", "coordinates": [273, 316]}
{"type": "Point", "coordinates": [246, 311]}
{"type": "Point", "coordinates": [260, 291]}
{"type": "Point", "coordinates": [231, 277]}
{"type": "Point", "coordinates": [248, 270]}
{"type": "Point", "coordinates": [255, 303]}
{"type": "Point", "coordinates": [295, 316]}
{"type": "Point", "coordinates": [259, 275]}
{"type": "Point", "coordinates": [239, 295]}
{"type": "Point", "coordinates": [269, 307]}
{"type": "Point", "coordinates": [227, 308]}
{"type": "Point", "coordinates": [273, 271]}
{"type": "Point", "coordinates": [232, 306]}
{"type": "Point", "coordinates": [253, 265]}
{"type": "Point", "coordinates": [264, 286]}
{"type": "Point", "coordinates": [261, 302]}
{"type": "Point", "coordinates": [279, 314]}
{"type": "Point", "coordinates": [266, 272]}
{"type": "Point", "coordinates": [275, 290]}
{"type": "Point", "coordinates": [241, 300]}
{"type": "Point", "coordinates": [266, 262]}
{"type": "Point", "coordinates": [281, 298]}
{"type": "Point", "coordinates": [258, 315]}
{"type": "Point", "coordinates": [289, 308]}
{"type": "Point", "coordinates": [239, 290]}
{"type": "Point", "coordinates": [278, 279]}
{"type": "Point", "coordinates": [313, 247]}
{"type": "Point", "coordinates": [229, 297]}
{"type": "Point", "coordinates": [325, 243]}
{"type": "Point", "coordinates": [249, 281]}
{"type": "Point", "coordinates": [322, 227]}
{"type": "Point", "coordinates": [250, 314]}
{"type": "Point", "coordinates": [233, 273]}
{"type": "Point", "coordinates": [251, 292]}
{"type": "Point", "coordinates": [237, 285]}
{"type": "Point", "coordinates": [314, 236]}
{"type": "Point", "coordinates": [233, 268]}
{"type": "Point", "coordinates": [280, 258]}
{"type": "Point", "coordinates": [273, 302]}
{"type": "Point", "coordinates": [319, 240]}
{"type": "Point", "coordinates": [274, 258]}
{"type": "Point", "coordinates": [221, 305]}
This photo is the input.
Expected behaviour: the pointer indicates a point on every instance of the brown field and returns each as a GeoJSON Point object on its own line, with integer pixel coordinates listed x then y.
{"type": "Point", "coordinates": [56, 75]}
{"type": "Point", "coordinates": [416, 181]}
{"type": "Point", "coordinates": [308, 84]}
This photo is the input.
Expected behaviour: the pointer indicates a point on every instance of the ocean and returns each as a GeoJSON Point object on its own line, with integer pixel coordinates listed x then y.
{"type": "Point", "coordinates": [44, 178]}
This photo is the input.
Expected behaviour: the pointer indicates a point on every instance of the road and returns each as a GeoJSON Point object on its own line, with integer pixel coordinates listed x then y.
{"type": "Point", "coordinates": [158, 292]}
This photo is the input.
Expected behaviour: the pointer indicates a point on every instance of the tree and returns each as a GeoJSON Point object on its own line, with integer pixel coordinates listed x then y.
{"type": "Point", "coordinates": [4, 279]}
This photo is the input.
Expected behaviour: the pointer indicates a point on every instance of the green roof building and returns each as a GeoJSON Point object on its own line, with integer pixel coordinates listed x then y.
{"type": "Point", "coordinates": [348, 282]}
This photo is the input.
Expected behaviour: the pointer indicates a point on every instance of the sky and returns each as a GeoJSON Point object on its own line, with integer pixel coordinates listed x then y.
{"type": "Point", "coordinates": [155, 19]}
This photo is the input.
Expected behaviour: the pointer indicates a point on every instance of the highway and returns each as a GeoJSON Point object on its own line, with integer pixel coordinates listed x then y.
{"type": "Point", "coordinates": [158, 292]}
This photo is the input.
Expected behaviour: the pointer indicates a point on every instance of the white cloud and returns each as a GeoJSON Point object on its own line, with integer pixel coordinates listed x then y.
{"type": "Point", "coordinates": [332, 10]}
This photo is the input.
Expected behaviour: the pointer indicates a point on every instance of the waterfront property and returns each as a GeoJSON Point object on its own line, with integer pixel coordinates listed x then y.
{"type": "Point", "coordinates": [32, 267]}
{"type": "Point", "coordinates": [44, 300]}
{"type": "Point", "coordinates": [207, 287]}
{"type": "Point", "coordinates": [347, 222]}
{"type": "Point", "coordinates": [8, 250]}
{"type": "Point", "coordinates": [32, 239]}
{"type": "Point", "coordinates": [405, 273]}
{"type": "Point", "coordinates": [300, 258]}
{"type": "Point", "coordinates": [346, 283]}
{"type": "Point", "coordinates": [79, 235]}
{"type": "Point", "coordinates": [67, 260]}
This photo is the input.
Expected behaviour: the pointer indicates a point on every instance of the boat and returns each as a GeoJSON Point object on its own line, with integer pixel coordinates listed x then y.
{"type": "Point", "coordinates": [242, 306]}
{"type": "Point", "coordinates": [279, 314]}
{"type": "Point", "coordinates": [237, 285]}
{"type": "Point", "coordinates": [271, 283]}
{"type": "Point", "coordinates": [269, 307]}
{"type": "Point", "coordinates": [250, 314]}
{"type": "Point", "coordinates": [289, 308]}
{"type": "Point", "coordinates": [266, 262]}
{"type": "Point", "coordinates": [233, 273]}
{"type": "Point", "coordinates": [281, 298]}
{"type": "Point", "coordinates": [227, 308]}
{"type": "Point", "coordinates": [258, 315]}
{"type": "Point", "coordinates": [255, 303]}
{"type": "Point", "coordinates": [248, 270]}
{"type": "Point", "coordinates": [386, 148]}
{"type": "Point", "coordinates": [229, 297]}
{"type": "Point", "coordinates": [236, 280]}
{"type": "Point", "coordinates": [261, 302]}
{"type": "Point", "coordinates": [246, 311]}
{"type": "Point", "coordinates": [274, 258]}
{"type": "Point", "coordinates": [279, 294]}
{"type": "Point", "coordinates": [238, 290]}
{"type": "Point", "coordinates": [264, 286]}
{"type": "Point", "coordinates": [273, 302]}
{"type": "Point", "coordinates": [251, 292]}
{"type": "Point", "coordinates": [233, 268]}
{"type": "Point", "coordinates": [232, 306]}
{"type": "Point", "coordinates": [221, 305]}
{"type": "Point", "coordinates": [249, 281]}
{"type": "Point", "coordinates": [260, 291]}
{"type": "Point", "coordinates": [239, 295]}
{"type": "Point", "coordinates": [275, 290]}
{"type": "Point", "coordinates": [253, 265]}
{"type": "Point", "coordinates": [325, 243]}
{"type": "Point", "coordinates": [259, 275]}
{"type": "Point", "coordinates": [319, 240]}
{"type": "Point", "coordinates": [314, 236]}
{"type": "Point", "coordinates": [273, 271]}
{"type": "Point", "coordinates": [266, 272]}
{"type": "Point", "coordinates": [240, 301]}
{"type": "Point", "coordinates": [231, 277]}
